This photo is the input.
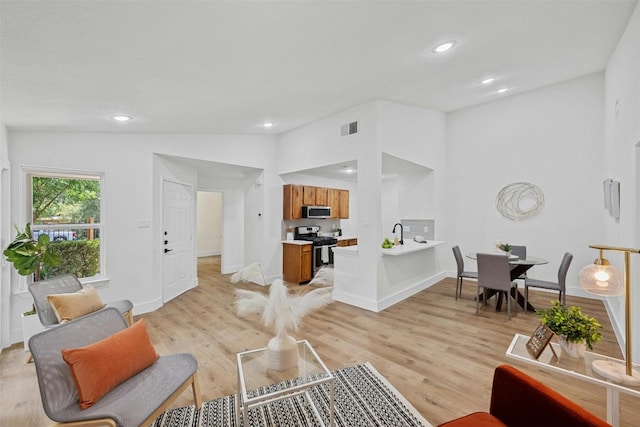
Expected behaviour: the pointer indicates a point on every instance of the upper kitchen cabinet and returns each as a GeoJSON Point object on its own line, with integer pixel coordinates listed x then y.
{"type": "Point", "coordinates": [292, 202]}
{"type": "Point", "coordinates": [321, 196]}
{"type": "Point", "coordinates": [333, 201]}
{"type": "Point", "coordinates": [309, 196]}
{"type": "Point", "coordinates": [344, 204]}
{"type": "Point", "coordinates": [296, 196]}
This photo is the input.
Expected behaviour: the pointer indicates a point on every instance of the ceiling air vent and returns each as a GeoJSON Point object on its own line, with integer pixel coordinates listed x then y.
{"type": "Point", "coordinates": [349, 129]}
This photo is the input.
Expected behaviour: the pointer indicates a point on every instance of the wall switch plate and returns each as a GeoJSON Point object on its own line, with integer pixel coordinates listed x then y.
{"type": "Point", "coordinates": [407, 228]}
{"type": "Point", "coordinates": [426, 228]}
{"type": "Point", "coordinates": [143, 223]}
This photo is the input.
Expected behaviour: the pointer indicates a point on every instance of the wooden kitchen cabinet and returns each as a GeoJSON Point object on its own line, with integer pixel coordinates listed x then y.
{"type": "Point", "coordinates": [321, 196]}
{"type": "Point", "coordinates": [292, 202]}
{"type": "Point", "coordinates": [308, 196]}
{"type": "Point", "coordinates": [344, 204]}
{"type": "Point", "coordinates": [296, 263]}
{"type": "Point", "coordinates": [296, 196]}
{"type": "Point", "coordinates": [333, 201]}
{"type": "Point", "coordinates": [347, 242]}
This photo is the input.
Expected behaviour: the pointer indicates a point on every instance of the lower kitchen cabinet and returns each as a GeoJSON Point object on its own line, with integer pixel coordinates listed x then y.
{"type": "Point", "coordinates": [296, 262]}
{"type": "Point", "coordinates": [348, 242]}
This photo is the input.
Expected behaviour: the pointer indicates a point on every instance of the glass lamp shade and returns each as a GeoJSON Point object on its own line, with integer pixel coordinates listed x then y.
{"type": "Point", "coordinates": [602, 280]}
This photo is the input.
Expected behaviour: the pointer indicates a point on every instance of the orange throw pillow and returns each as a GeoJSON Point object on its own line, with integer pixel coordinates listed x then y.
{"type": "Point", "coordinates": [99, 367]}
{"type": "Point", "coordinates": [69, 306]}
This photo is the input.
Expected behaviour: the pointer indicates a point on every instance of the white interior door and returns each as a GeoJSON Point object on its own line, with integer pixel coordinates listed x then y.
{"type": "Point", "coordinates": [177, 239]}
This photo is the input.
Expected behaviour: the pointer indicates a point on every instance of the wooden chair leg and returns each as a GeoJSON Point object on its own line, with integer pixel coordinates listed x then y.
{"type": "Point", "coordinates": [195, 387]}
{"type": "Point", "coordinates": [128, 316]}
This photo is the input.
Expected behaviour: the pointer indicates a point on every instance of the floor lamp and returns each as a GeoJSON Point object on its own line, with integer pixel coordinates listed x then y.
{"type": "Point", "coordinates": [601, 278]}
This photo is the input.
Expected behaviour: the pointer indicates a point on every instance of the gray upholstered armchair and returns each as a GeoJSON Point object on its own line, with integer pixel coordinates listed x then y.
{"type": "Point", "coordinates": [137, 400]}
{"type": "Point", "coordinates": [62, 285]}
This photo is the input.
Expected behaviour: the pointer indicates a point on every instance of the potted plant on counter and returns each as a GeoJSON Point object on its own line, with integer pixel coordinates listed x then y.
{"type": "Point", "coordinates": [575, 330]}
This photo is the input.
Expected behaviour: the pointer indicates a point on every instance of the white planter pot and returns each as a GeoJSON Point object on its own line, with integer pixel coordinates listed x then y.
{"type": "Point", "coordinates": [572, 349]}
{"type": "Point", "coordinates": [30, 326]}
{"type": "Point", "coordinates": [282, 353]}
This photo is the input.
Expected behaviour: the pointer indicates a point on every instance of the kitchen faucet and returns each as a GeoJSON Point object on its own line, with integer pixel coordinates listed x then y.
{"type": "Point", "coordinates": [401, 232]}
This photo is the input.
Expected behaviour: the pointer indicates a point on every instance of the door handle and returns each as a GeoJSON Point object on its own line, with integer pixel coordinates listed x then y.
{"type": "Point", "coordinates": [167, 250]}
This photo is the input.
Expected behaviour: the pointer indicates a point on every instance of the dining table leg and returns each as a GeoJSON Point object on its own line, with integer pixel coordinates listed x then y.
{"type": "Point", "coordinates": [517, 296]}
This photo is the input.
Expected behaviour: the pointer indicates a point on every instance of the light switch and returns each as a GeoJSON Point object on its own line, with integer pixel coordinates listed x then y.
{"type": "Point", "coordinates": [426, 228]}
{"type": "Point", "coordinates": [144, 223]}
{"type": "Point", "coordinates": [407, 228]}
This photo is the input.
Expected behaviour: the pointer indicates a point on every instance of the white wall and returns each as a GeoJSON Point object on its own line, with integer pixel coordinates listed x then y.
{"type": "Point", "coordinates": [5, 233]}
{"type": "Point", "coordinates": [209, 223]}
{"type": "Point", "coordinates": [621, 160]}
{"type": "Point", "coordinates": [416, 135]}
{"type": "Point", "coordinates": [551, 137]}
{"type": "Point", "coordinates": [132, 191]}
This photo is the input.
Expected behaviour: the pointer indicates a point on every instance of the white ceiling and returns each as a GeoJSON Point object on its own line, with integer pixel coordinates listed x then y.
{"type": "Point", "coordinates": [227, 66]}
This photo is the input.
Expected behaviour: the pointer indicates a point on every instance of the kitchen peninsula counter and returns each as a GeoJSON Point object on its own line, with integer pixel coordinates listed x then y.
{"type": "Point", "coordinates": [374, 278]}
{"type": "Point", "coordinates": [410, 246]}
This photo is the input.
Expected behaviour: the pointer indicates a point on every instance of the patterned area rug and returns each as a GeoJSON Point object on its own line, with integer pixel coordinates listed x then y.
{"type": "Point", "coordinates": [363, 398]}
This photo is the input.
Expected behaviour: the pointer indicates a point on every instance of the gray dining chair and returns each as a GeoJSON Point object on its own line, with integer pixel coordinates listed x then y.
{"type": "Point", "coordinates": [461, 271]}
{"type": "Point", "coordinates": [559, 286]}
{"type": "Point", "coordinates": [521, 252]}
{"type": "Point", "coordinates": [494, 273]}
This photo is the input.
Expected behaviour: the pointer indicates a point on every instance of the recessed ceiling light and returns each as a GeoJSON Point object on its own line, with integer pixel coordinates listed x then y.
{"type": "Point", "coordinates": [443, 47]}
{"type": "Point", "coordinates": [488, 80]}
{"type": "Point", "coordinates": [268, 124]}
{"type": "Point", "coordinates": [348, 170]}
{"type": "Point", "coordinates": [121, 118]}
{"type": "Point", "coordinates": [502, 90]}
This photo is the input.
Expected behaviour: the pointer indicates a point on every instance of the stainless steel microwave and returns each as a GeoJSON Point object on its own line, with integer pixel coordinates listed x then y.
{"type": "Point", "coordinates": [316, 212]}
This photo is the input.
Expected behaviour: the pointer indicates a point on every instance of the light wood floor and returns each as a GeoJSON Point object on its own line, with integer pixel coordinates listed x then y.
{"type": "Point", "coordinates": [432, 348]}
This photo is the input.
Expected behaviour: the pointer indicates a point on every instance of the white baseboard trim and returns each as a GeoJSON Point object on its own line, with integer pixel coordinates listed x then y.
{"type": "Point", "coordinates": [355, 300]}
{"type": "Point", "coordinates": [617, 327]}
{"type": "Point", "coordinates": [384, 303]}
{"type": "Point", "coordinates": [208, 253]}
{"type": "Point", "coordinates": [411, 290]}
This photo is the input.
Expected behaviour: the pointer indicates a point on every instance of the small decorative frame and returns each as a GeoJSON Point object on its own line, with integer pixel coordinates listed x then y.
{"type": "Point", "coordinates": [539, 340]}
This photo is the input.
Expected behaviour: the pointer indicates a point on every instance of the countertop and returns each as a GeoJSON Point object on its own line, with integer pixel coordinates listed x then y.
{"type": "Point", "coordinates": [353, 249]}
{"type": "Point", "coordinates": [297, 242]}
{"type": "Point", "coordinates": [410, 246]}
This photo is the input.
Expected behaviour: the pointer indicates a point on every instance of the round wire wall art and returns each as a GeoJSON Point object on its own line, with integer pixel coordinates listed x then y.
{"type": "Point", "coordinates": [519, 201]}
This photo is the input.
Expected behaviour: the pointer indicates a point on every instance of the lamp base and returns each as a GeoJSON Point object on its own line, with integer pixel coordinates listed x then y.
{"type": "Point", "coordinates": [616, 372]}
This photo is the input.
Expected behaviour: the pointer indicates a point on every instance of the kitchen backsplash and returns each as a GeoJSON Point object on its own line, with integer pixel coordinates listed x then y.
{"type": "Point", "coordinates": [416, 227]}
{"type": "Point", "coordinates": [326, 225]}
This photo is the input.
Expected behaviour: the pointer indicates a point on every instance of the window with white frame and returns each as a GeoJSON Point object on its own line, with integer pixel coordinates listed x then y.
{"type": "Point", "coordinates": [67, 207]}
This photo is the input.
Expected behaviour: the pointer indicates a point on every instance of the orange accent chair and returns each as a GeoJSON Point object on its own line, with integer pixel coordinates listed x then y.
{"type": "Point", "coordinates": [520, 400]}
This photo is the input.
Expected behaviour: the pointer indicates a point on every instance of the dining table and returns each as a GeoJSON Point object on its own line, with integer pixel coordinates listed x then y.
{"type": "Point", "coordinates": [518, 268]}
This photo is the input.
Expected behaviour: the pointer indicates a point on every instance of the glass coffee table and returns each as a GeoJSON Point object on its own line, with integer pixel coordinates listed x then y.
{"type": "Point", "coordinates": [258, 385]}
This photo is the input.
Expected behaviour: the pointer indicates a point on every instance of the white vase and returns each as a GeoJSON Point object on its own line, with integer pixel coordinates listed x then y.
{"type": "Point", "coordinates": [282, 353]}
{"type": "Point", "coordinates": [572, 349]}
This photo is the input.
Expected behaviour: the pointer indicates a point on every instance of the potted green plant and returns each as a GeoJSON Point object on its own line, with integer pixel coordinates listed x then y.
{"type": "Point", "coordinates": [28, 257]}
{"type": "Point", "coordinates": [506, 248]}
{"type": "Point", "coordinates": [575, 329]}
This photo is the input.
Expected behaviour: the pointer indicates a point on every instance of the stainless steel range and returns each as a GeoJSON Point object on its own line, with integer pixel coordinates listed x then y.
{"type": "Point", "coordinates": [322, 246]}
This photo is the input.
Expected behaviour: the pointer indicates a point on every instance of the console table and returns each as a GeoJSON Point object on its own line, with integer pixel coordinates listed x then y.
{"type": "Point", "coordinates": [577, 368]}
